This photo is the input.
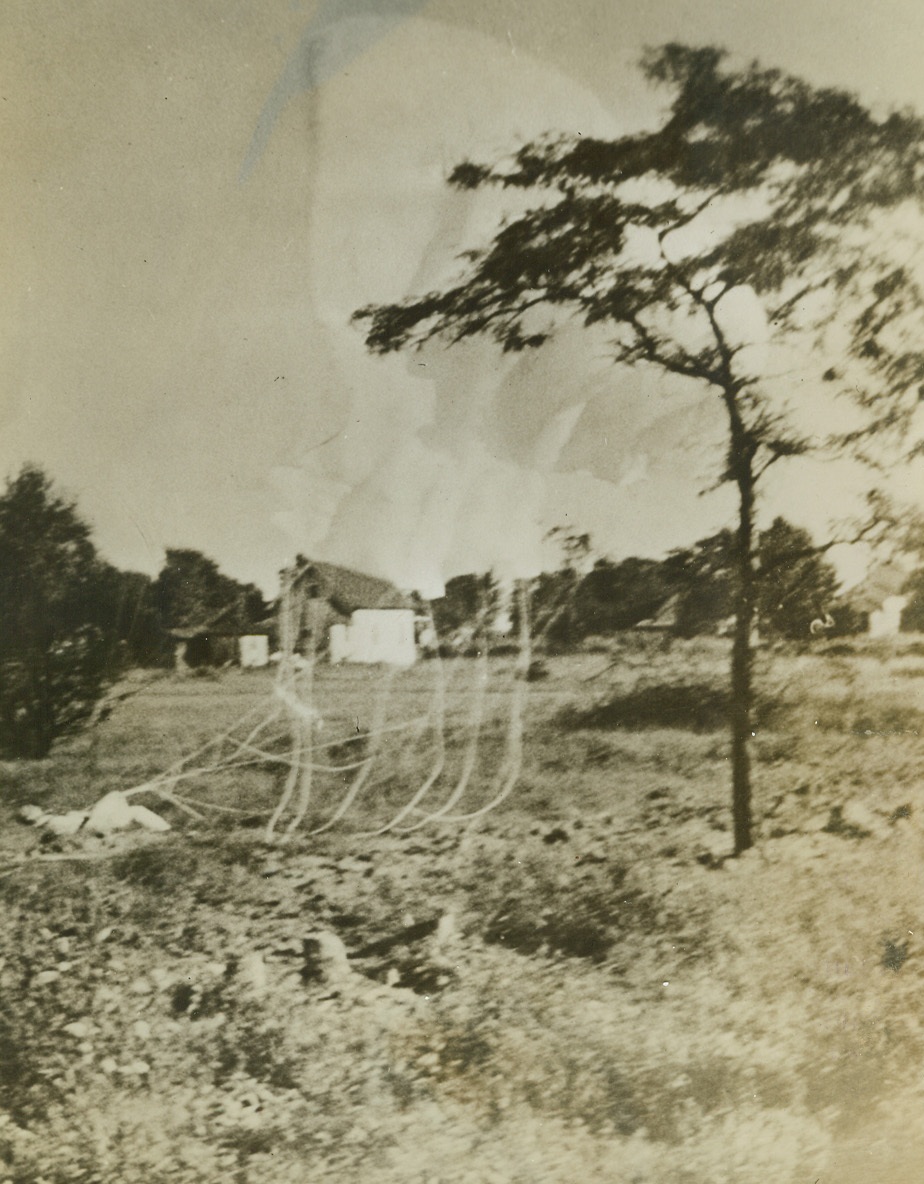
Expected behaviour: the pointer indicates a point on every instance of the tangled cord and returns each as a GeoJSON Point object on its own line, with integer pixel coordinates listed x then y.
{"type": "Point", "coordinates": [285, 732]}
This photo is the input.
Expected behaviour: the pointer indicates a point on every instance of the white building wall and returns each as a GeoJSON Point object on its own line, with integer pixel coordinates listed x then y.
{"type": "Point", "coordinates": [886, 621]}
{"type": "Point", "coordinates": [339, 644]}
{"type": "Point", "coordinates": [375, 635]}
{"type": "Point", "coordinates": [254, 650]}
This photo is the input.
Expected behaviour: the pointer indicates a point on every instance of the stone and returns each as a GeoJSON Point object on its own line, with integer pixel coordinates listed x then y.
{"type": "Point", "coordinates": [252, 973]}
{"type": "Point", "coordinates": [111, 812]}
{"type": "Point", "coordinates": [64, 824]}
{"type": "Point", "coordinates": [445, 930]}
{"type": "Point", "coordinates": [859, 817]}
{"type": "Point", "coordinates": [142, 816]}
{"type": "Point", "coordinates": [325, 958]}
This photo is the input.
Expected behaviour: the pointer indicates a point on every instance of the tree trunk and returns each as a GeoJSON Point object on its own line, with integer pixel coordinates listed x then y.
{"type": "Point", "coordinates": [741, 688]}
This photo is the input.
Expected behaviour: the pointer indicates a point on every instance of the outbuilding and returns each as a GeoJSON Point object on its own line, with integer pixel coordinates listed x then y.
{"type": "Point", "coordinates": [220, 642]}
{"type": "Point", "coordinates": [367, 620]}
{"type": "Point", "coordinates": [881, 595]}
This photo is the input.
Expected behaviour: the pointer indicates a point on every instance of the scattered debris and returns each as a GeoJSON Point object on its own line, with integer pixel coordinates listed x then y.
{"type": "Point", "coordinates": [111, 813]}
{"type": "Point", "coordinates": [142, 816]}
{"type": "Point", "coordinates": [419, 973]}
{"type": "Point", "coordinates": [56, 824]}
{"type": "Point", "coordinates": [414, 932]}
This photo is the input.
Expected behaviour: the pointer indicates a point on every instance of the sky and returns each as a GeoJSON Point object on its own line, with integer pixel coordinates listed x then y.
{"type": "Point", "coordinates": [196, 197]}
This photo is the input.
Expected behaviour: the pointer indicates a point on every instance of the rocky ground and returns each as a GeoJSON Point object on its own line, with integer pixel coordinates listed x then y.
{"type": "Point", "coordinates": [580, 986]}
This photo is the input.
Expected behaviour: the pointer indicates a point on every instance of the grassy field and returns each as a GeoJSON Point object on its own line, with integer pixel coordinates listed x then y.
{"type": "Point", "coordinates": [613, 1000]}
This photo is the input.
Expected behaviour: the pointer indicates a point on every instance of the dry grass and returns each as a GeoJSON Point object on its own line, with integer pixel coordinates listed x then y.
{"type": "Point", "coordinates": [621, 1002]}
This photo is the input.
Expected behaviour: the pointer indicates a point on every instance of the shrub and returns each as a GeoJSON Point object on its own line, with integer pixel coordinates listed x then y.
{"type": "Point", "coordinates": [48, 696]}
{"type": "Point", "coordinates": [697, 707]}
{"type": "Point", "coordinates": [53, 656]}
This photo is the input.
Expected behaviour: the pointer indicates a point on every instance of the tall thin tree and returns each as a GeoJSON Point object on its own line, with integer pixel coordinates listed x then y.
{"type": "Point", "coordinates": [755, 186]}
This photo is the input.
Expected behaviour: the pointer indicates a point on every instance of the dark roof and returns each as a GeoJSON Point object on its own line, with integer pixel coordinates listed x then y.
{"type": "Point", "coordinates": [217, 626]}
{"type": "Point", "coordinates": [664, 618]}
{"type": "Point", "coordinates": [883, 581]}
{"type": "Point", "coordinates": [347, 590]}
{"type": "Point", "coordinates": [212, 625]}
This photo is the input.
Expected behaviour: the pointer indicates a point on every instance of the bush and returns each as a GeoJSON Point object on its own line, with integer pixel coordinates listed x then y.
{"type": "Point", "coordinates": [53, 652]}
{"type": "Point", "coordinates": [696, 707]}
{"type": "Point", "coordinates": [44, 697]}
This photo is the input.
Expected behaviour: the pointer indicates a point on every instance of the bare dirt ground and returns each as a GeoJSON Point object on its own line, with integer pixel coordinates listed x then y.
{"type": "Point", "coordinates": [580, 986]}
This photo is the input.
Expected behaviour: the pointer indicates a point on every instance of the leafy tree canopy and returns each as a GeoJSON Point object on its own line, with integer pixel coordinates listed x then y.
{"type": "Point", "coordinates": [54, 657]}
{"type": "Point", "coordinates": [753, 181]}
{"type": "Point", "coordinates": [618, 595]}
{"type": "Point", "coordinates": [191, 592]}
{"type": "Point", "coordinates": [469, 602]}
{"type": "Point", "coordinates": [47, 561]}
{"type": "Point", "coordinates": [704, 579]}
{"type": "Point", "coordinates": [797, 585]}
{"type": "Point", "coordinates": [753, 187]}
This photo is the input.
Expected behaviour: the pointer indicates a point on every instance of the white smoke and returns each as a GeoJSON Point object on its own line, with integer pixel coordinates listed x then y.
{"type": "Point", "coordinates": [416, 467]}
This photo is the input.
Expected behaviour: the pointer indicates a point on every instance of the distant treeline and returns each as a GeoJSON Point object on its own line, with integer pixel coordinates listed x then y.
{"type": "Point", "coordinates": [70, 622]}
{"type": "Point", "coordinates": [689, 592]}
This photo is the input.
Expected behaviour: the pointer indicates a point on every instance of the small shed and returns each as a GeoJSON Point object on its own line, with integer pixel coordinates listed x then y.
{"type": "Point", "coordinates": [881, 596]}
{"type": "Point", "coordinates": [253, 650]}
{"type": "Point", "coordinates": [219, 641]}
{"type": "Point", "coordinates": [208, 644]}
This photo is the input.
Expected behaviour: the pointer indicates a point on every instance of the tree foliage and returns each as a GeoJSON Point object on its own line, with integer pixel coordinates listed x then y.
{"type": "Point", "coordinates": [70, 622]}
{"type": "Point", "coordinates": [468, 607]}
{"type": "Point", "coordinates": [912, 618]}
{"type": "Point", "coordinates": [797, 584]}
{"type": "Point", "coordinates": [191, 592]}
{"type": "Point", "coordinates": [55, 658]}
{"type": "Point", "coordinates": [618, 595]}
{"type": "Point", "coordinates": [127, 615]}
{"type": "Point", "coordinates": [754, 183]}
{"type": "Point", "coordinates": [704, 579]}
{"type": "Point", "coordinates": [555, 617]}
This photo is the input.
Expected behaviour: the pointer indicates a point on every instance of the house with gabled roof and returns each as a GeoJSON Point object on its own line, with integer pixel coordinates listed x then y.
{"type": "Point", "coordinates": [368, 619]}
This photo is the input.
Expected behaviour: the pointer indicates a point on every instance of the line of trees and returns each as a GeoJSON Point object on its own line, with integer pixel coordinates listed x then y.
{"type": "Point", "coordinates": [587, 597]}
{"type": "Point", "coordinates": [71, 623]}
